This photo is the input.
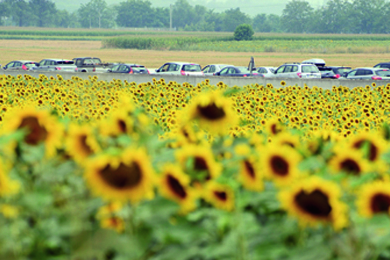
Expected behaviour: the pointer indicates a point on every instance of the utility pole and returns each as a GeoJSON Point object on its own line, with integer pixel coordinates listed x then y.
{"type": "Point", "coordinates": [170, 17]}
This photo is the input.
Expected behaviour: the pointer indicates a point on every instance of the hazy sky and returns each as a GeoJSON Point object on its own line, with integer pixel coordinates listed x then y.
{"type": "Point", "coordinates": [251, 7]}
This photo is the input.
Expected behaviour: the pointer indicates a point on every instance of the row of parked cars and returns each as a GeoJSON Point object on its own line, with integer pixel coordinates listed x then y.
{"type": "Point", "coordinates": [313, 68]}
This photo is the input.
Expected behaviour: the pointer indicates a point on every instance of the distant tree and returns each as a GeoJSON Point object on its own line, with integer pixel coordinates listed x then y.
{"type": "Point", "coordinates": [333, 17]}
{"type": "Point", "coordinates": [184, 14]}
{"type": "Point", "coordinates": [296, 16]}
{"type": "Point", "coordinates": [274, 23]}
{"type": "Point", "coordinates": [368, 16]}
{"type": "Point", "coordinates": [232, 18]}
{"type": "Point", "coordinates": [135, 13]}
{"type": "Point", "coordinates": [243, 32]}
{"type": "Point", "coordinates": [261, 23]}
{"type": "Point", "coordinates": [95, 14]}
{"type": "Point", "coordinates": [42, 12]}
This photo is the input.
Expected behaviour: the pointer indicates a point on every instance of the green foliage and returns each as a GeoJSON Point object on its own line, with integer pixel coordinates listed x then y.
{"type": "Point", "coordinates": [243, 32]}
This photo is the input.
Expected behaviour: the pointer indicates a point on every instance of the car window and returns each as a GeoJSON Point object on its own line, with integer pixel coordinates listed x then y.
{"type": "Point", "coordinates": [288, 69]}
{"type": "Point", "coordinates": [383, 73]}
{"type": "Point", "coordinates": [18, 64]}
{"type": "Point", "coordinates": [164, 68]}
{"type": "Point", "coordinates": [212, 69]}
{"type": "Point", "coordinates": [280, 69]}
{"type": "Point", "coordinates": [341, 70]}
{"type": "Point", "coordinates": [79, 62]}
{"type": "Point", "coordinates": [294, 68]}
{"type": "Point", "coordinates": [224, 71]}
{"type": "Point", "coordinates": [115, 68]}
{"type": "Point", "coordinates": [173, 67]}
{"type": "Point", "coordinates": [11, 64]}
{"type": "Point", "coordinates": [384, 65]}
{"type": "Point", "coordinates": [352, 73]}
{"type": "Point", "coordinates": [262, 70]}
{"type": "Point", "coordinates": [361, 72]}
{"type": "Point", "coordinates": [125, 69]}
{"type": "Point", "coordinates": [191, 67]}
{"type": "Point", "coordinates": [206, 69]}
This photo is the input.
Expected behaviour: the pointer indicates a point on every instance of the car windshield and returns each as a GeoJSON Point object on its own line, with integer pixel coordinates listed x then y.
{"type": "Point", "coordinates": [29, 65]}
{"type": "Point", "coordinates": [192, 67]}
{"type": "Point", "coordinates": [383, 73]}
{"type": "Point", "coordinates": [310, 69]}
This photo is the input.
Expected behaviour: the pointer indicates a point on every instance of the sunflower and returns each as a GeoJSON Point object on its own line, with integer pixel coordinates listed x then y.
{"type": "Point", "coordinates": [280, 164]}
{"type": "Point", "coordinates": [286, 138]}
{"type": "Point", "coordinates": [274, 127]}
{"type": "Point", "coordinates": [349, 161]}
{"type": "Point", "coordinates": [314, 201]}
{"type": "Point", "coordinates": [80, 142]}
{"type": "Point", "coordinates": [250, 174]}
{"type": "Point", "coordinates": [174, 185]}
{"type": "Point", "coordinates": [220, 196]}
{"type": "Point", "coordinates": [125, 177]}
{"type": "Point", "coordinates": [283, 83]}
{"type": "Point", "coordinates": [39, 125]}
{"type": "Point", "coordinates": [198, 161]}
{"type": "Point", "coordinates": [372, 142]}
{"type": "Point", "coordinates": [113, 222]}
{"type": "Point", "coordinates": [374, 198]}
{"type": "Point", "coordinates": [213, 112]}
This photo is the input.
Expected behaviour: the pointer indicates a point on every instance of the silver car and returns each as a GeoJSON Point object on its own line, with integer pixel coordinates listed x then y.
{"type": "Point", "coordinates": [368, 73]}
{"type": "Point", "coordinates": [180, 68]}
{"type": "Point", "coordinates": [55, 64]}
{"type": "Point", "coordinates": [298, 70]}
{"type": "Point", "coordinates": [20, 65]}
{"type": "Point", "coordinates": [211, 69]}
{"type": "Point", "coordinates": [268, 72]}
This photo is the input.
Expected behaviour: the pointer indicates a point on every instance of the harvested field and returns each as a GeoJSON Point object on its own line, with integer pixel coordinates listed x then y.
{"type": "Point", "coordinates": [37, 50]}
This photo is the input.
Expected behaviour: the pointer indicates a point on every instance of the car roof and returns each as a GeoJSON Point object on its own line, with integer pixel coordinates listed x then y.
{"type": "Point", "coordinates": [22, 61]}
{"type": "Point", "coordinates": [58, 59]}
{"type": "Point", "coordinates": [87, 58]}
{"type": "Point", "coordinates": [314, 61]}
{"type": "Point", "coordinates": [338, 67]}
{"type": "Point", "coordinates": [182, 63]}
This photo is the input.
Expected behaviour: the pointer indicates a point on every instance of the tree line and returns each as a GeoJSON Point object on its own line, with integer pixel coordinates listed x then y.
{"type": "Point", "coordinates": [298, 16]}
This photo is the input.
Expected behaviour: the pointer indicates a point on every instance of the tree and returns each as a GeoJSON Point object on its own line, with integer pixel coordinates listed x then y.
{"type": "Point", "coordinates": [261, 24]}
{"type": "Point", "coordinates": [233, 18]}
{"type": "Point", "coordinates": [96, 14]}
{"type": "Point", "coordinates": [243, 32]}
{"type": "Point", "coordinates": [19, 11]}
{"type": "Point", "coordinates": [135, 13]}
{"type": "Point", "coordinates": [183, 14]}
{"type": "Point", "coordinates": [296, 16]}
{"type": "Point", "coordinates": [43, 12]}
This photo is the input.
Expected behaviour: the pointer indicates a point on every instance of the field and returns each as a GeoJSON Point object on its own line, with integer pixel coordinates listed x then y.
{"type": "Point", "coordinates": [118, 170]}
{"type": "Point", "coordinates": [40, 49]}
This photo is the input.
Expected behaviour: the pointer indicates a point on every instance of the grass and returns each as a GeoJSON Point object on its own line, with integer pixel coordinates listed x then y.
{"type": "Point", "coordinates": [37, 50]}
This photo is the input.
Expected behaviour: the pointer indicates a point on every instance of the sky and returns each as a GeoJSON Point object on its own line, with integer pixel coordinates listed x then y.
{"type": "Point", "coordinates": [250, 7]}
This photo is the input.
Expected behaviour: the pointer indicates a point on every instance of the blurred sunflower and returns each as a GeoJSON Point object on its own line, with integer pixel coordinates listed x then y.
{"type": "Point", "coordinates": [80, 142]}
{"type": "Point", "coordinates": [125, 177]}
{"type": "Point", "coordinates": [39, 125]}
{"type": "Point", "coordinates": [174, 185]}
{"type": "Point", "coordinates": [198, 161]}
{"type": "Point", "coordinates": [220, 196]}
{"type": "Point", "coordinates": [113, 222]}
{"type": "Point", "coordinates": [213, 112]}
{"type": "Point", "coordinates": [314, 201]}
{"type": "Point", "coordinates": [280, 163]}
{"type": "Point", "coordinates": [374, 198]}
{"type": "Point", "coordinates": [274, 127]}
{"type": "Point", "coordinates": [250, 174]}
{"type": "Point", "coordinates": [349, 161]}
{"type": "Point", "coordinates": [374, 144]}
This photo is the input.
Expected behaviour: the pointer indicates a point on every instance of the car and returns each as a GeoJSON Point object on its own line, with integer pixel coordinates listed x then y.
{"type": "Point", "coordinates": [268, 72]}
{"type": "Point", "coordinates": [55, 64]}
{"type": "Point", "coordinates": [318, 62]}
{"type": "Point", "coordinates": [91, 64]}
{"type": "Point", "coordinates": [234, 71]}
{"type": "Point", "coordinates": [334, 72]}
{"type": "Point", "coordinates": [383, 65]}
{"type": "Point", "coordinates": [368, 73]}
{"type": "Point", "coordinates": [20, 65]}
{"type": "Point", "coordinates": [298, 70]}
{"type": "Point", "coordinates": [210, 69]}
{"type": "Point", "coordinates": [129, 68]}
{"type": "Point", "coordinates": [180, 68]}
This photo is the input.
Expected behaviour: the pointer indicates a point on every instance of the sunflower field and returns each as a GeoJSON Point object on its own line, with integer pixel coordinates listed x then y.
{"type": "Point", "coordinates": [97, 170]}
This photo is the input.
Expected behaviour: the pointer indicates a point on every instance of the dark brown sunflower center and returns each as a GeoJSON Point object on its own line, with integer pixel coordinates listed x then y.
{"type": "Point", "coordinates": [122, 126]}
{"type": "Point", "coordinates": [315, 203]}
{"type": "Point", "coordinates": [36, 134]}
{"type": "Point", "coordinates": [350, 166]}
{"type": "Point", "coordinates": [211, 112]}
{"type": "Point", "coordinates": [176, 187]}
{"type": "Point", "coordinates": [84, 145]}
{"type": "Point", "coordinates": [221, 195]}
{"type": "Point", "coordinates": [249, 169]}
{"type": "Point", "coordinates": [380, 203]}
{"type": "Point", "coordinates": [274, 129]}
{"type": "Point", "coordinates": [123, 177]}
{"type": "Point", "coordinates": [200, 164]}
{"type": "Point", "coordinates": [279, 165]}
{"type": "Point", "coordinates": [372, 149]}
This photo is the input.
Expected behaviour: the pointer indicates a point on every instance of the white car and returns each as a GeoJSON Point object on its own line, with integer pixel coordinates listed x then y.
{"type": "Point", "coordinates": [368, 73]}
{"type": "Point", "coordinates": [298, 70]}
{"type": "Point", "coordinates": [268, 72]}
{"type": "Point", "coordinates": [211, 69]}
{"type": "Point", "coordinates": [180, 68]}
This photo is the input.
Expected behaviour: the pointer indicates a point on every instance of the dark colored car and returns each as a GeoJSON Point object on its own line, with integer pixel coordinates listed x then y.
{"type": "Point", "coordinates": [334, 72]}
{"type": "Point", "coordinates": [234, 71]}
{"type": "Point", "coordinates": [20, 65]}
{"type": "Point", "coordinates": [129, 68]}
{"type": "Point", "coordinates": [383, 65]}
